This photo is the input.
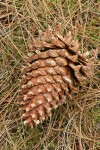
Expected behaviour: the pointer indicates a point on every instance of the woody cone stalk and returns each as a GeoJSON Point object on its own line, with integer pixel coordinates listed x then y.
{"type": "Point", "coordinates": [50, 75]}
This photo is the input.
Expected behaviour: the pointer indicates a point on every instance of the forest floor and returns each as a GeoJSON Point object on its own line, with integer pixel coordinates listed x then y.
{"type": "Point", "coordinates": [74, 125]}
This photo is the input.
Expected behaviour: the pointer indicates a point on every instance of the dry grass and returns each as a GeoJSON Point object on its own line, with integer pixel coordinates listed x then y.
{"type": "Point", "coordinates": [75, 125]}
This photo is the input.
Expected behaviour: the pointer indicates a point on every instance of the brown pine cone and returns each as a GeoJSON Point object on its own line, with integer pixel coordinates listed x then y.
{"type": "Point", "coordinates": [51, 73]}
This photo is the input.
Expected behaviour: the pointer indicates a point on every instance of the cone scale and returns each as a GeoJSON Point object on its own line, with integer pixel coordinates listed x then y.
{"type": "Point", "coordinates": [51, 73]}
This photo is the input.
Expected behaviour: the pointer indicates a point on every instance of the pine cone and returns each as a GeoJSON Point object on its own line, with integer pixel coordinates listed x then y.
{"type": "Point", "coordinates": [51, 74]}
